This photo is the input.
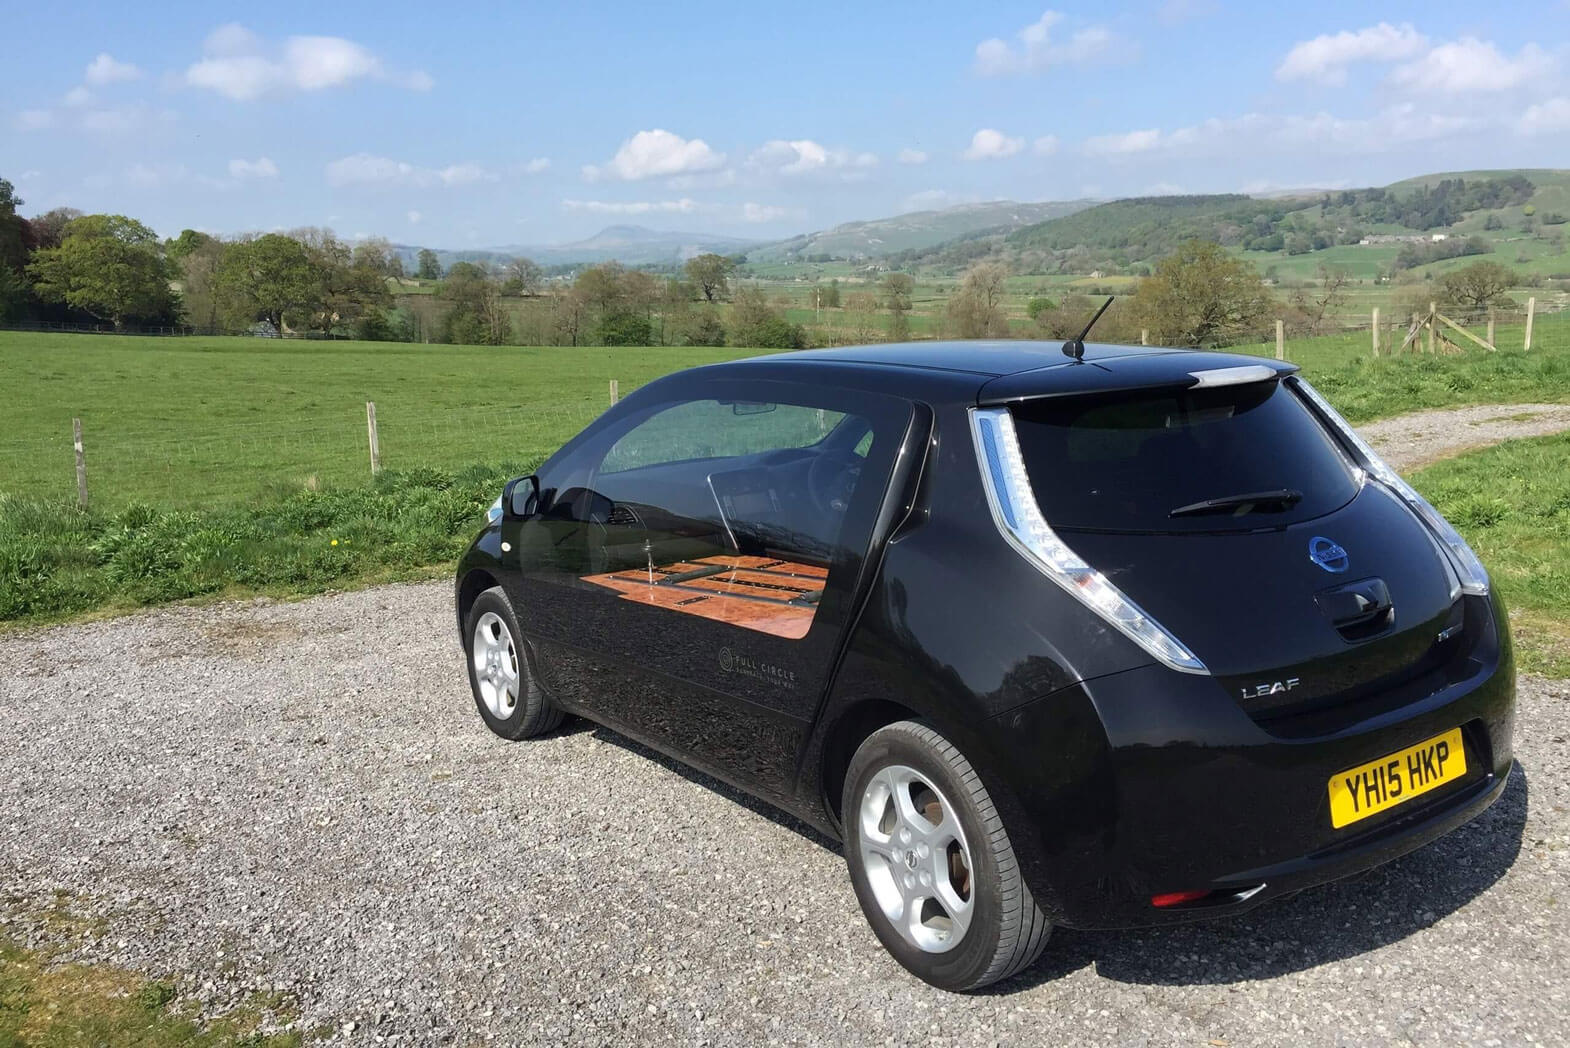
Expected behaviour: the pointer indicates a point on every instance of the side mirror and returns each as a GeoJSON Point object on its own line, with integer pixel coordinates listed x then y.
{"type": "Point", "coordinates": [522, 497]}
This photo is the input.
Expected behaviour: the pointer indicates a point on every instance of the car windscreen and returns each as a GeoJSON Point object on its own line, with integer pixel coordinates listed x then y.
{"type": "Point", "coordinates": [1181, 460]}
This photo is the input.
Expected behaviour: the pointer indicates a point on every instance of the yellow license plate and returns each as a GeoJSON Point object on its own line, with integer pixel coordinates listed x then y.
{"type": "Point", "coordinates": [1396, 778]}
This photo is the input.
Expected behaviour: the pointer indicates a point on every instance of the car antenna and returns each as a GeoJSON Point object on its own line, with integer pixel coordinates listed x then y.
{"type": "Point", "coordinates": [1075, 347]}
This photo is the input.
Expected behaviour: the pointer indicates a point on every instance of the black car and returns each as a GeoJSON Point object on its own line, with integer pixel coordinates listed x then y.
{"type": "Point", "coordinates": [1138, 637]}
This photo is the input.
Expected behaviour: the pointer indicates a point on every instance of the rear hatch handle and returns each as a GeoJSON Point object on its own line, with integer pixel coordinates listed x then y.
{"type": "Point", "coordinates": [1358, 610]}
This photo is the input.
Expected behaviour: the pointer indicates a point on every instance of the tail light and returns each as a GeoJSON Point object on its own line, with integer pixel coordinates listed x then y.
{"type": "Point", "coordinates": [1018, 517]}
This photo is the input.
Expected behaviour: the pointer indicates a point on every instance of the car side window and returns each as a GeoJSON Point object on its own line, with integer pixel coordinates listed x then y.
{"type": "Point", "coordinates": [730, 510]}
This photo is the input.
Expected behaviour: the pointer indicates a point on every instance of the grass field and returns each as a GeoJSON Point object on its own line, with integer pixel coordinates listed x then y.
{"type": "Point", "coordinates": [1512, 502]}
{"type": "Point", "coordinates": [229, 466]}
{"type": "Point", "coordinates": [205, 421]}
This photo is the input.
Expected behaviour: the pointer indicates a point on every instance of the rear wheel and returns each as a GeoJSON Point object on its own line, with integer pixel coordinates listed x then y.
{"type": "Point", "coordinates": [931, 863]}
{"type": "Point", "coordinates": [510, 702]}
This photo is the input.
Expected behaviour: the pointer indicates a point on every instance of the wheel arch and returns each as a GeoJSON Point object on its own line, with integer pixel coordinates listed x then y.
{"type": "Point", "coordinates": [849, 730]}
{"type": "Point", "coordinates": [473, 583]}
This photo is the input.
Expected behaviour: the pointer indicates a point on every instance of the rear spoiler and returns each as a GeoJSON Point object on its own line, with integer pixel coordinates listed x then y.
{"type": "Point", "coordinates": [1159, 370]}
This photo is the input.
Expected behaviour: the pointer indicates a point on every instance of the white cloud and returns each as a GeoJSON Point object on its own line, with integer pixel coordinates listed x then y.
{"type": "Point", "coordinates": [1128, 142]}
{"type": "Point", "coordinates": [369, 169]}
{"type": "Point", "coordinates": [990, 144]}
{"type": "Point", "coordinates": [751, 212]}
{"type": "Point", "coordinates": [911, 156]}
{"type": "Point", "coordinates": [1545, 118]}
{"type": "Point", "coordinates": [34, 119]}
{"type": "Point", "coordinates": [105, 70]}
{"type": "Point", "coordinates": [1036, 50]}
{"type": "Point", "coordinates": [121, 120]}
{"type": "Point", "coordinates": [414, 217]}
{"type": "Point", "coordinates": [1046, 145]}
{"type": "Point", "coordinates": [1325, 58]}
{"type": "Point", "coordinates": [803, 156]}
{"type": "Point", "coordinates": [240, 65]}
{"type": "Point", "coordinates": [1393, 127]}
{"type": "Point", "coordinates": [685, 206]}
{"type": "Point", "coordinates": [650, 154]}
{"type": "Point", "coordinates": [77, 97]}
{"type": "Point", "coordinates": [1469, 66]}
{"type": "Point", "coordinates": [261, 167]}
{"type": "Point", "coordinates": [534, 167]}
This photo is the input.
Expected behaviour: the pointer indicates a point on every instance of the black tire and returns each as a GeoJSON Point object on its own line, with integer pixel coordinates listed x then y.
{"type": "Point", "coordinates": [1007, 930]}
{"type": "Point", "coordinates": [532, 713]}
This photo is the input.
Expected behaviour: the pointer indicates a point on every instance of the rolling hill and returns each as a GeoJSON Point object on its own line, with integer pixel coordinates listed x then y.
{"type": "Point", "coordinates": [1469, 213]}
{"type": "Point", "coordinates": [918, 229]}
{"type": "Point", "coordinates": [629, 245]}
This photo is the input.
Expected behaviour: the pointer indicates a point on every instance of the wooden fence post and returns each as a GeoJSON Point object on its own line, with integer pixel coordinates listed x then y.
{"type": "Point", "coordinates": [1433, 307]}
{"type": "Point", "coordinates": [81, 463]}
{"type": "Point", "coordinates": [1491, 343]}
{"type": "Point", "coordinates": [376, 444]}
{"type": "Point", "coordinates": [1531, 309]}
{"type": "Point", "coordinates": [1144, 336]}
{"type": "Point", "coordinates": [1281, 340]}
{"type": "Point", "coordinates": [1375, 330]}
{"type": "Point", "coordinates": [615, 393]}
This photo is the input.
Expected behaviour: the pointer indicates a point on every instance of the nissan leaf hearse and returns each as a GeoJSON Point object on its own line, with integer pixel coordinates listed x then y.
{"type": "Point", "coordinates": [1045, 634]}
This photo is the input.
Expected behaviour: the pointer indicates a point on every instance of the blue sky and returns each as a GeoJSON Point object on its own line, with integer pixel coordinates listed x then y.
{"type": "Point", "coordinates": [460, 125]}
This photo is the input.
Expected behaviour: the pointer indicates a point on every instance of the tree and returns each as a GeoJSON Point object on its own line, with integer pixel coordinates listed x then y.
{"type": "Point", "coordinates": [755, 323]}
{"type": "Point", "coordinates": [430, 265]}
{"type": "Point", "coordinates": [199, 291]}
{"type": "Point", "coordinates": [351, 282]}
{"type": "Point", "coordinates": [110, 267]}
{"type": "Point", "coordinates": [17, 239]}
{"type": "Point", "coordinates": [524, 277]}
{"type": "Point", "coordinates": [270, 278]}
{"type": "Point", "coordinates": [1311, 306]}
{"type": "Point", "coordinates": [376, 255]}
{"type": "Point", "coordinates": [1477, 286]}
{"type": "Point", "coordinates": [976, 309]}
{"type": "Point", "coordinates": [1202, 296]}
{"type": "Point", "coordinates": [897, 289]}
{"type": "Point", "coordinates": [707, 330]}
{"type": "Point", "coordinates": [49, 227]}
{"type": "Point", "coordinates": [188, 241]}
{"type": "Point", "coordinates": [710, 273]}
{"type": "Point", "coordinates": [476, 314]}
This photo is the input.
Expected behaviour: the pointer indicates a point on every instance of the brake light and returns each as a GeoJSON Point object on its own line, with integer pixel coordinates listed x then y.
{"type": "Point", "coordinates": [1018, 517]}
{"type": "Point", "coordinates": [1474, 577]}
{"type": "Point", "coordinates": [1166, 899]}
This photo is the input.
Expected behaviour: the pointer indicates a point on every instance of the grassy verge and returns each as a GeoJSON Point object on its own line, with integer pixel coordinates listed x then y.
{"type": "Point", "coordinates": [1512, 502]}
{"type": "Point", "coordinates": [57, 562]}
{"type": "Point", "coordinates": [1365, 388]}
{"type": "Point", "coordinates": [45, 1003]}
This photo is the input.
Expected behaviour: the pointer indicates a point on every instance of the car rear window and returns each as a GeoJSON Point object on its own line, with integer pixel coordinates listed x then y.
{"type": "Point", "coordinates": [1125, 461]}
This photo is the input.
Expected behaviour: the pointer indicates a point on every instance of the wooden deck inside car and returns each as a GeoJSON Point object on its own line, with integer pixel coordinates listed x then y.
{"type": "Point", "coordinates": [766, 594]}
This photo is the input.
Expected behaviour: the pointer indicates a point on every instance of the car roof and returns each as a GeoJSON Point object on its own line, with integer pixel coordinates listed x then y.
{"type": "Point", "coordinates": [1000, 371]}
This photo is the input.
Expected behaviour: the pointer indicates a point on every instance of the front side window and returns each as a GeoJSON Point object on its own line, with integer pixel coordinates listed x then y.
{"type": "Point", "coordinates": [732, 510]}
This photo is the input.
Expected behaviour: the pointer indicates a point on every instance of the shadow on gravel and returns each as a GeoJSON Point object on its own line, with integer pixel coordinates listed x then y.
{"type": "Point", "coordinates": [708, 782]}
{"type": "Point", "coordinates": [1328, 923]}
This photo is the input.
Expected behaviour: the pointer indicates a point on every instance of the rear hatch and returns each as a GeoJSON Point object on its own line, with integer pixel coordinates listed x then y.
{"type": "Point", "coordinates": [1233, 518]}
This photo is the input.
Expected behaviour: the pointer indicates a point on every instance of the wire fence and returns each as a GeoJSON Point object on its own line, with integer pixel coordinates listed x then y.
{"type": "Point", "coordinates": [245, 461]}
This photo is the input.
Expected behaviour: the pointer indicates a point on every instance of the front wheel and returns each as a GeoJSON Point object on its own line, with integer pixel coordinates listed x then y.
{"type": "Point", "coordinates": [932, 865]}
{"type": "Point", "coordinates": [509, 700]}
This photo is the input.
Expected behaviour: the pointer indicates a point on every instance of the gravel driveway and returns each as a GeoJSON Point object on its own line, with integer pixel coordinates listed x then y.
{"type": "Point", "coordinates": [301, 797]}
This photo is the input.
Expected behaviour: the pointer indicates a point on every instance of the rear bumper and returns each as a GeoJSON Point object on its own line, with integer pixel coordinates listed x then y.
{"type": "Point", "coordinates": [1184, 791]}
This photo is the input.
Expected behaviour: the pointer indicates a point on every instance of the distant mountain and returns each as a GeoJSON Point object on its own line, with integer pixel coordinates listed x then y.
{"type": "Point", "coordinates": [913, 231]}
{"type": "Point", "coordinates": [629, 245]}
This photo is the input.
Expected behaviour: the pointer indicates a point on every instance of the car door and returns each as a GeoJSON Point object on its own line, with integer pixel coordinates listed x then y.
{"type": "Point", "coordinates": [691, 569]}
